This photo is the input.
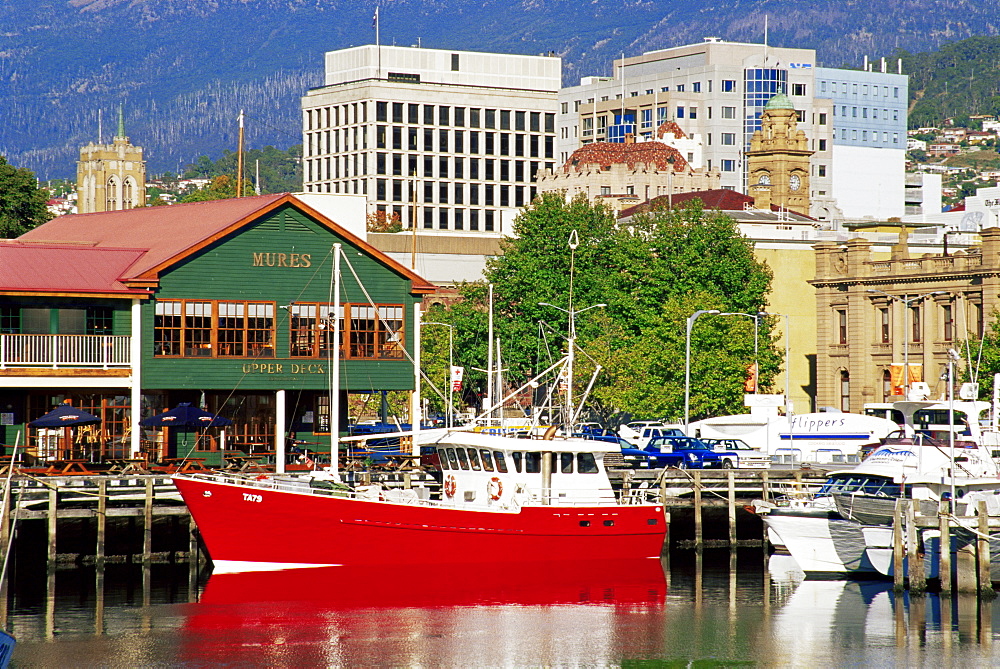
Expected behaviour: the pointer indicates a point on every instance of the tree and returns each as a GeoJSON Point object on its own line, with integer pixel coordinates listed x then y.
{"type": "Point", "coordinates": [22, 202]}
{"type": "Point", "coordinates": [651, 274]}
{"type": "Point", "coordinates": [221, 188]}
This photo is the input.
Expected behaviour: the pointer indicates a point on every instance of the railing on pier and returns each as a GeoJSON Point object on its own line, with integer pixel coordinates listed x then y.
{"type": "Point", "coordinates": [38, 350]}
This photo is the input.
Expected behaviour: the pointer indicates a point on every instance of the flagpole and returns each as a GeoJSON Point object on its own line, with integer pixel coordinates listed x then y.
{"type": "Point", "coordinates": [378, 46]}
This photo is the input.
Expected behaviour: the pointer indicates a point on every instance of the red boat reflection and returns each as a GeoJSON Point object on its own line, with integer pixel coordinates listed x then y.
{"type": "Point", "coordinates": [639, 581]}
{"type": "Point", "coordinates": [459, 615]}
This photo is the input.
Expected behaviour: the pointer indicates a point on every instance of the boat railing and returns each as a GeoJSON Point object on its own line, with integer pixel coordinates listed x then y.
{"type": "Point", "coordinates": [793, 492]}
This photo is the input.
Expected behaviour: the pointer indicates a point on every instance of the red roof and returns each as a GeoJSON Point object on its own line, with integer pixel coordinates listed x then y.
{"type": "Point", "coordinates": [722, 199]}
{"type": "Point", "coordinates": [170, 233]}
{"type": "Point", "coordinates": [163, 231]}
{"type": "Point", "coordinates": [606, 154]}
{"type": "Point", "coordinates": [48, 268]}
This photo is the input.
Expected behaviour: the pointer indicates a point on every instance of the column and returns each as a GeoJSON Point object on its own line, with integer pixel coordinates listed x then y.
{"type": "Point", "coordinates": [135, 358]}
{"type": "Point", "coordinates": [279, 431]}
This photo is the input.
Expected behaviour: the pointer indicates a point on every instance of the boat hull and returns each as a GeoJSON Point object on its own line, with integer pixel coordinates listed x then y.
{"type": "Point", "coordinates": [247, 526]}
{"type": "Point", "coordinates": [821, 542]}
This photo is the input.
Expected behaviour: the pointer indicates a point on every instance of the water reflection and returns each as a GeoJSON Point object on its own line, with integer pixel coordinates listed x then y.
{"type": "Point", "coordinates": [704, 607]}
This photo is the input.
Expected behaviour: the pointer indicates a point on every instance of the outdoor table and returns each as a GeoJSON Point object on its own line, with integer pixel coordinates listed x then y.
{"type": "Point", "coordinates": [64, 467]}
{"type": "Point", "coordinates": [183, 465]}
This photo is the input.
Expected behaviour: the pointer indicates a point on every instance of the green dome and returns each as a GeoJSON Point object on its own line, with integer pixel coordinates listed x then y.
{"type": "Point", "coordinates": [779, 101]}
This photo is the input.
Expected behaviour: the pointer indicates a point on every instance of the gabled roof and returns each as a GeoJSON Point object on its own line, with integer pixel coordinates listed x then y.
{"type": "Point", "coordinates": [172, 233]}
{"type": "Point", "coordinates": [80, 270]}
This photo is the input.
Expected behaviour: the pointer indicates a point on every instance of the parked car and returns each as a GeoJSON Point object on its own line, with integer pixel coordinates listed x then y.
{"type": "Point", "coordinates": [681, 452]}
{"type": "Point", "coordinates": [749, 457]}
{"type": "Point", "coordinates": [640, 432]}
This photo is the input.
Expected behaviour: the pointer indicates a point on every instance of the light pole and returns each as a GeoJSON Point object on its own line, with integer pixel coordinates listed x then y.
{"type": "Point", "coordinates": [451, 366]}
{"type": "Point", "coordinates": [756, 330]}
{"type": "Point", "coordinates": [687, 363]}
{"type": "Point", "coordinates": [906, 332]}
{"type": "Point", "coordinates": [570, 356]}
{"type": "Point", "coordinates": [953, 356]}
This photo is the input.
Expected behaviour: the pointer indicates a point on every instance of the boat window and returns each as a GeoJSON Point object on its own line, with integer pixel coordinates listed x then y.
{"type": "Point", "coordinates": [463, 459]}
{"type": "Point", "coordinates": [502, 463]}
{"type": "Point", "coordinates": [452, 458]}
{"type": "Point", "coordinates": [532, 463]}
{"type": "Point", "coordinates": [566, 463]}
{"type": "Point", "coordinates": [442, 458]}
{"type": "Point", "coordinates": [487, 460]}
{"type": "Point", "coordinates": [474, 457]}
{"type": "Point", "coordinates": [586, 463]}
{"type": "Point", "coordinates": [516, 456]}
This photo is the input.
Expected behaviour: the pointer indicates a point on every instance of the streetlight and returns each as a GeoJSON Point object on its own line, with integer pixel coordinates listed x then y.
{"type": "Point", "coordinates": [953, 357]}
{"type": "Point", "coordinates": [756, 329]}
{"type": "Point", "coordinates": [569, 358]}
{"type": "Point", "coordinates": [906, 332]}
{"type": "Point", "coordinates": [687, 363]}
{"type": "Point", "coordinates": [451, 366]}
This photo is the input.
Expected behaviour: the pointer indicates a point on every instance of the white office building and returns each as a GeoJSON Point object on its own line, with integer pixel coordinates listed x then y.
{"type": "Point", "coordinates": [717, 90]}
{"type": "Point", "coordinates": [448, 140]}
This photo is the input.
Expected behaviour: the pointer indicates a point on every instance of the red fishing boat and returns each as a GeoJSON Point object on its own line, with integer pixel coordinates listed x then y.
{"type": "Point", "coordinates": [502, 499]}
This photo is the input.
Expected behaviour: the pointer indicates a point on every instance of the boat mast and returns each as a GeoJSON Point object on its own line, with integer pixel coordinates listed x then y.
{"type": "Point", "coordinates": [334, 345]}
{"type": "Point", "coordinates": [489, 361]}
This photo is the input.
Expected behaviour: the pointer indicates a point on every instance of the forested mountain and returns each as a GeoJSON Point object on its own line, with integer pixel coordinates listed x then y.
{"type": "Point", "coordinates": [184, 68]}
{"type": "Point", "coordinates": [959, 80]}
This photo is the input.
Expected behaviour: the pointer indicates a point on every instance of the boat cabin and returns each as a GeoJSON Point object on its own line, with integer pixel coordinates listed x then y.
{"type": "Point", "coordinates": [483, 469]}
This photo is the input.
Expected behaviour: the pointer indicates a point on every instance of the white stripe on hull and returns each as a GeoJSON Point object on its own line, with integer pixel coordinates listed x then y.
{"type": "Point", "coordinates": [237, 566]}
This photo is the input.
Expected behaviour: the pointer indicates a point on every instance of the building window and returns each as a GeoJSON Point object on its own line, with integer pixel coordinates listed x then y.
{"type": "Point", "coordinates": [729, 112]}
{"type": "Point", "coordinates": [680, 112]}
{"type": "Point", "coordinates": [915, 323]}
{"type": "Point", "coordinates": [821, 170]}
{"type": "Point", "coordinates": [222, 329]}
{"type": "Point", "coordinates": [729, 139]}
{"type": "Point", "coordinates": [10, 320]}
{"type": "Point", "coordinates": [885, 326]}
{"type": "Point", "coordinates": [841, 326]}
{"type": "Point", "coordinates": [822, 145]}
{"type": "Point", "coordinates": [886, 385]}
{"type": "Point", "coordinates": [454, 62]}
{"type": "Point", "coordinates": [798, 89]}
{"type": "Point", "coordinates": [728, 165]}
{"type": "Point", "coordinates": [948, 319]}
{"type": "Point", "coordinates": [845, 391]}
{"type": "Point", "coordinates": [728, 85]}
{"type": "Point", "coordinates": [696, 87]}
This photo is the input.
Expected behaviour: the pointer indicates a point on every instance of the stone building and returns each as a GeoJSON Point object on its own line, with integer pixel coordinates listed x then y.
{"type": "Point", "coordinates": [111, 177]}
{"type": "Point", "coordinates": [875, 315]}
{"type": "Point", "coordinates": [625, 174]}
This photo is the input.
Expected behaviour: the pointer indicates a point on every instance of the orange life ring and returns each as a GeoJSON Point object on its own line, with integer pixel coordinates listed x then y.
{"type": "Point", "coordinates": [450, 486]}
{"type": "Point", "coordinates": [490, 488]}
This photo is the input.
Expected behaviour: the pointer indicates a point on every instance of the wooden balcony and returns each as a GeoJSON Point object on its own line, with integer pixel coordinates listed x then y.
{"type": "Point", "coordinates": [65, 351]}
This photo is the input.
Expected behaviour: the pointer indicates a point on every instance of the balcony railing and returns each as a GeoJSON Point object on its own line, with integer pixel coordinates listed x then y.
{"type": "Point", "coordinates": [31, 350]}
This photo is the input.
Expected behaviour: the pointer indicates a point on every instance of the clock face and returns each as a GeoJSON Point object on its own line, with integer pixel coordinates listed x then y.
{"type": "Point", "coordinates": [765, 179]}
{"type": "Point", "coordinates": [794, 182]}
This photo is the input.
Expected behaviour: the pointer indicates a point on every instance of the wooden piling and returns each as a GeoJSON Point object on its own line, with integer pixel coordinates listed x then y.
{"type": "Point", "coordinates": [914, 559]}
{"type": "Point", "coordinates": [698, 530]}
{"type": "Point", "coordinates": [983, 551]}
{"type": "Point", "coordinates": [944, 549]}
{"type": "Point", "coordinates": [52, 520]}
{"type": "Point", "coordinates": [147, 528]}
{"type": "Point", "coordinates": [897, 546]}
{"type": "Point", "coordinates": [102, 521]}
{"type": "Point", "coordinates": [731, 480]}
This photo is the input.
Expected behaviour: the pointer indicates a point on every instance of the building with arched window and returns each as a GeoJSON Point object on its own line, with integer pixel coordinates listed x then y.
{"type": "Point", "coordinates": [111, 177]}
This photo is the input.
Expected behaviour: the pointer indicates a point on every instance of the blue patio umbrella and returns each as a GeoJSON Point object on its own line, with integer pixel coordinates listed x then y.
{"type": "Point", "coordinates": [187, 416]}
{"type": "Point", "coordinates": [65, 415]}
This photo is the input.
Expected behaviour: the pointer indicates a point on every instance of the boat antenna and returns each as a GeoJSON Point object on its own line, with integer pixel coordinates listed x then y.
{"type": "Point", "coordinates": [333, 348]}
{"type": "Point", "coordinates": [489, 359]}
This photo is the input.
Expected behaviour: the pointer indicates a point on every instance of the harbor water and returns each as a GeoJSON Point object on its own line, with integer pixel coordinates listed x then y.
{"type": "Point", "coordinates": [711, 608]}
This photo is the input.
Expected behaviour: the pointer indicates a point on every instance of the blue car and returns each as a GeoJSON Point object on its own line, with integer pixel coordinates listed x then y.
{"type": "Point", "coordinates": [679, 452]}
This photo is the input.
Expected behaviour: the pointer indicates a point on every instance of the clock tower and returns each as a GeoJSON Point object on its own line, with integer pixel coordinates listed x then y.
{"type": "Point", "coordinates": [779, 156]}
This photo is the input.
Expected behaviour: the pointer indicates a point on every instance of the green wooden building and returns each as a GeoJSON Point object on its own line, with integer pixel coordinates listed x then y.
{"type": "Point", "coordinates": [225, 304]}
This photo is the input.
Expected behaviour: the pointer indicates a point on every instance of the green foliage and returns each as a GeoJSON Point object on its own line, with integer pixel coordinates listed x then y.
{"type": "Point", "coordinates": [651, 274]}
{"type": "Point", "coordinates": [22, 202]}
{"type": "Point", "coordinates": [221, 188]}
{"type": "Point", "coordinates": [280, 171]}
